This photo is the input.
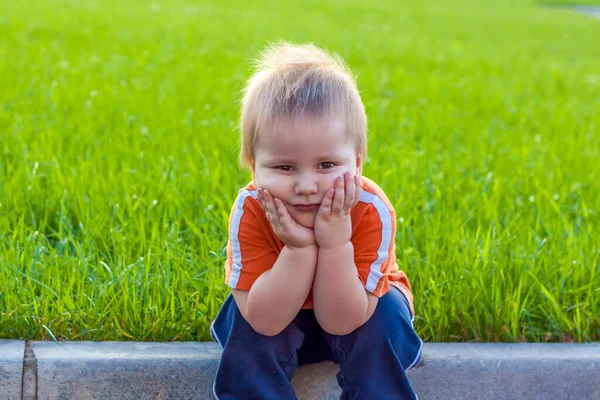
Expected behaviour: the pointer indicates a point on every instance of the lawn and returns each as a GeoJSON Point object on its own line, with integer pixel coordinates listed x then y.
{"type": "Point", "coordinates": [118, 159]}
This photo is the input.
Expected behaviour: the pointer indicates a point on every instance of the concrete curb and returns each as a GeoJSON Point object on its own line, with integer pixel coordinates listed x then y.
{"type": "Point", "coordinates": [11, 368]}
{"type": "Point", "coordinates": [185, 370]}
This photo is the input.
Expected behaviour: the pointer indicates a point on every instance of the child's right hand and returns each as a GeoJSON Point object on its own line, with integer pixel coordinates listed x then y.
{"type": "Point", "coordinates": [285, 227]}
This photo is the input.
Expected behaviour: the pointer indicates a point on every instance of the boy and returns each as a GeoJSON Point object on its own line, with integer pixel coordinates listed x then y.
{"type": "Point", "coordinates": [311, 257]}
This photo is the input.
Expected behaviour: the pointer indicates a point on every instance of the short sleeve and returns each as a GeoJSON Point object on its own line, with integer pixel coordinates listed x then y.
{"type": "Point", "coordinates": [250, 249]}
{"type": "Point", "coordinates": [373, 241]}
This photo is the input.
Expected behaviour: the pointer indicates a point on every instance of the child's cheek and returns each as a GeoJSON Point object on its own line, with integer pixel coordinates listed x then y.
{"type": "Point", "coordinates": [277, 185]}
{"type": "Point", "coordinates": [332, 177]}
{"type": "Point", "coordinates": [277, 182]}
{"type": "Point", "coordinates": [266, 179]}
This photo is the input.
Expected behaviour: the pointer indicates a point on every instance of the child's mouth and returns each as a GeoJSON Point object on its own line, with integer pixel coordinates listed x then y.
{"type": "Point", "coordinates": [307, 207]}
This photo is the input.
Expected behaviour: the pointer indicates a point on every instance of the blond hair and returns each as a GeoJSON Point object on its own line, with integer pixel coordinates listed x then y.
{"type": "Point", "coordinates": [292, 81]}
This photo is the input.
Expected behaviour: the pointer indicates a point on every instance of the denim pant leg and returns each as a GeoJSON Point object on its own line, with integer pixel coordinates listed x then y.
{"type": "Point", "coordinates": [375, 357]}
{"type": "Point", "coordinates": [253, 366]}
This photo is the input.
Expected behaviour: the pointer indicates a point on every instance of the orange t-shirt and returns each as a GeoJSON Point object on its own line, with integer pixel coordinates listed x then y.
{"type": "Point", "coordinates": [253, 247]}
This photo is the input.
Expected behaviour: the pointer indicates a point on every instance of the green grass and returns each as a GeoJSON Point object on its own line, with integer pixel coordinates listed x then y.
{"type": "Point", "coordinates": [118, 160]}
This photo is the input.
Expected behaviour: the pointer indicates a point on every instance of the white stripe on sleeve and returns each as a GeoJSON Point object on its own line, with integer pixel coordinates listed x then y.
{"type": "Point", "coordinates": [386, 237]}
{"type": "Point", "coordinates": [236, 267]}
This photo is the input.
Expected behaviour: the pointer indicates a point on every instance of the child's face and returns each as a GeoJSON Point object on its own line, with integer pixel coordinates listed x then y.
{"type": "Point", "coordinates": [298, 163]}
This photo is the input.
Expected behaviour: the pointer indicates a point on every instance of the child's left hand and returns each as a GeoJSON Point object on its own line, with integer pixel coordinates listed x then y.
{"type": "Point", "coordinates": [333, 226]}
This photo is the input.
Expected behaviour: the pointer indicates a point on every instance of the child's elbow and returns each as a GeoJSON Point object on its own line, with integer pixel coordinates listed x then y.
{"type": "Point", "coordinates": [339, 328]}
{"type": "Point", "coordinates": [261, 323]}
{"type": "Point", "coordinates": [343, 330]}
{"type": "Point", "coordinates": [264, 324]}
{"type": "Point", "coordinates": [266, 329]}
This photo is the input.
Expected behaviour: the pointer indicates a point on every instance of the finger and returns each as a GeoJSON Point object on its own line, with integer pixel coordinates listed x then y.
{"type": "Point", "coordinates": [263, 201]}
{"type": "Point", "coordinates": [358, 189]}
{"type": "Point", "coordinates": [282, 213]}
{"type": "Point", "coordinates": [350, 191]}
{"type": "Point", "coordinates": [325, 208]}
{"type": "Point", "coordinates": [261, 198]}
{"type": "Point", "coordinates": [271, 210]}
{"type": "Point", "coordinates": [338, 199]}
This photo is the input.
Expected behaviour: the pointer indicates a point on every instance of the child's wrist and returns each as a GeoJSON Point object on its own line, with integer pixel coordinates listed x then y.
{"type": "Point", "coordinates": [309, 247]}
{"type": "Point", "coordinates": [335, 246]}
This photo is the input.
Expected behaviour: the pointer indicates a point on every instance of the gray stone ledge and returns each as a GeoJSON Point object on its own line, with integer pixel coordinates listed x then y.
{"type": "Point", "coordinates": [11, 368]}
{"type": "Point", "coordinates": [185, 370]}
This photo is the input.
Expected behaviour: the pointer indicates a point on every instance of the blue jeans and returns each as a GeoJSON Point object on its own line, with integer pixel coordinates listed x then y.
{"type": "Point", "coordinates": [373, 358]}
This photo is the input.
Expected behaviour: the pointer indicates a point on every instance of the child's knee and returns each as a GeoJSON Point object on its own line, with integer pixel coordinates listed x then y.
{"type": "Point", "coordinates": [392, 309]}
{"type": "Point", "coordinates": [389, 330]}
{"type": "Point", "coordinates": [231, 324]}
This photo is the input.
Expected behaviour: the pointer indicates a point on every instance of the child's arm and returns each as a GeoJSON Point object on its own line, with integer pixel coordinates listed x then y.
{"type": "Point", "coordinates": [340, 300]}
{"type": "Point", "coordinates": [279, 293]}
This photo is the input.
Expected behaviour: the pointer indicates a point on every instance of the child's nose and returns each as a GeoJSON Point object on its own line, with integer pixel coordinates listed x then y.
{"type": "Point", "coordinates": [306, 185]}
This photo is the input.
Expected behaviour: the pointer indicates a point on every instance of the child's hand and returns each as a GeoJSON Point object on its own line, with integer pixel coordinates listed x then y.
{"type": "Point", "coordinates": [285, 227]}
{"type": "Point", "coordinates": [333, 226]}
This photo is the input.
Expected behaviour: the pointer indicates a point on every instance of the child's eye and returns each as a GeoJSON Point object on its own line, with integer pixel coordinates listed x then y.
{"type": "Point", "coordinates": [327, 165]}
{"type": "Point", "coordinates": [283, 167]}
